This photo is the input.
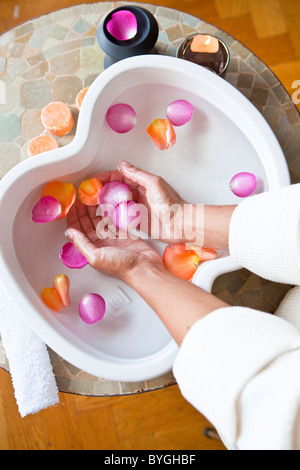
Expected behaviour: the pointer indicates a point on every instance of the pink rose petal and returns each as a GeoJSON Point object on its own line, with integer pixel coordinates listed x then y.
{"type": "Point", "coordinates": [243, 184]}
{"type": "Point", "coordinates": [92, 308]}
{"type": "Point", "coordinates": [122, 25]}
{"type": "Point", "coordinates": [114, 192]}
{"type": "Point", "coordinates": [121, 118]}
{"type": "Point", "coordinates": [72, 257]}
{"type": "Point", "coordinates": [180, 112]}
{"type": "Point", "coordinates": [127, 215]}
{"type": "Point", "coordinates": [46, 210]}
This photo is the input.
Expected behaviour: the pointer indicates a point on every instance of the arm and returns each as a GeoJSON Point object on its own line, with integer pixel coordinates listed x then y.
{"type": "Point", "coordinates": [262, 232]}
{"type": "Point", "coordinates": [178, 304]}
{"type": "Point", "coordinates": [265, 234]}
{"type": "Point", "coordinates": [228, 362]}
{"type": "Point", "coordinates": [230, 358]}
{"type": "Point", "coordinates": [206, 225]}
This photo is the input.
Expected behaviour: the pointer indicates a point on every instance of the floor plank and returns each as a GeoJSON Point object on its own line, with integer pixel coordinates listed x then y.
{"type": "Point", "coordinates": [232, 8]}
{"type": "Point", "coordinates": [153, 420]}
{"type": "Point", "coordinates": [291, 12]}
{"type": "Point", "coordinates": [268, 18]}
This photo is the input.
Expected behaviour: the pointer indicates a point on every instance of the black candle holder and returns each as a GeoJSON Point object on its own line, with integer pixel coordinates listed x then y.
{"type": "Point", "coordinates": [142, 43]}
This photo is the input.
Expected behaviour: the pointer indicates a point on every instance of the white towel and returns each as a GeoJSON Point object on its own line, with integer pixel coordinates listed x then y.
{"type": "Point", "coordinates": [29, 363]}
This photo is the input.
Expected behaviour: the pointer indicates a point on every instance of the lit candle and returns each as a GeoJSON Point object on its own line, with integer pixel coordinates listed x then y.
{"type": "Point", "coordinates": [205, 43]}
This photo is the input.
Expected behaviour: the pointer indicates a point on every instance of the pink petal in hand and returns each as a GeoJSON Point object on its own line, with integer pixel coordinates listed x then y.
{"type": "Point", "coordinates": [122, 25]}
{"type": "Point", "coordinates": [113, 193]}
{"type": "Point", "coordinates": [127, 215]}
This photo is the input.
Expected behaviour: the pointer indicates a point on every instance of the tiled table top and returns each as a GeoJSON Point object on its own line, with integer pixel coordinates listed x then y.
{"type": "Point", "coordinates": [51, 58]}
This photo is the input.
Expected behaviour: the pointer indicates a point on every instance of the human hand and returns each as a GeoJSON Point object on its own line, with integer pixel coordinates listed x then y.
{"type": "Point", "coordinates": [155, 196]}
{"type": "Point", "coordinates": [165, 208]}
{"type": "Point", "coordinates": [121, 258]}
{"type": "Point", "coordinates": [171, 218]}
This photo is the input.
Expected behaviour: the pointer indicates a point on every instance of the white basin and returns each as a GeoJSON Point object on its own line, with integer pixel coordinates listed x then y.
{"type": "Point", "coordinates": [226, 135]}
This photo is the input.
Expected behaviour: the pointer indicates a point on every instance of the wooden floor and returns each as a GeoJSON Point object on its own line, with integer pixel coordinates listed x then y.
{"type": "Point", "coordinates": [159, 420]}
{"type": "Point", "coordinates": [162, 419]}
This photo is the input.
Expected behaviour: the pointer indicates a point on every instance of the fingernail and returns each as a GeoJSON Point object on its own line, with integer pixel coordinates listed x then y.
{"type": "Point", "coordinates": [69, 234]}
{"type": "Point", "coordinates": [124, 163]}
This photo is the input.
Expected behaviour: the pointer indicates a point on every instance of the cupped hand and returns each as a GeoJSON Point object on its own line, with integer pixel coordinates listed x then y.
{"type": "Point", "coordinates": [121, 258]}
{"type": "Point", "coordinates": [162, 218]}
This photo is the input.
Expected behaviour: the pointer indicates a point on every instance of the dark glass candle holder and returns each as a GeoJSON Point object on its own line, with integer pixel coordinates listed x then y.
{"type": "Point", "coordinates": [205, 50]}
{"type": "Point", "coordinates": [142, 43]}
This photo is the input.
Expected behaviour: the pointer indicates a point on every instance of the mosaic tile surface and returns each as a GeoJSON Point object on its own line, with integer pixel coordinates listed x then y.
{"type": "Point", "coordinates": [53, 57]}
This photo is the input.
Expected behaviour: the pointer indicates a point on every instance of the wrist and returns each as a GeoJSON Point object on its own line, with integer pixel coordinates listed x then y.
{"type": "Point", "coordinates": [206, 225]}
{"type": "Point", "coordinates": [193, 224]}
{"type": "Point", "coordinates": [138, 275]}
{"type": "Point", "coordinates": [217, 225]}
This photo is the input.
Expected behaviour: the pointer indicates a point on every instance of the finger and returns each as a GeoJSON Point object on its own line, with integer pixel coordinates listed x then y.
{"type": "Point", "coordinates": [76, 219]}
{"type": "Point", "coordinates": [137, 176]}
{"type": "Point", "coordinates": [110, 175]}
{"type": "Point", "coordinates": [87, 226]}
{"type": "Point", "coordinates": [92, 212]}
{"type": "Point", "coordinates": [72, 218]}
{"type": "Point", "coordinates": [95, 220]}
{"type": "Point", "coordinates": [83, 244]}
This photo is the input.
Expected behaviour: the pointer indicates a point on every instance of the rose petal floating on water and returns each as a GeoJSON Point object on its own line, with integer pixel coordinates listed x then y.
{"type": "Point", "coordinates": [114, 192]}
{"type": "Point", "coordinates": [92, 308]}
{"type": "Point", "coordinates": [122, 25]}
{"type": "Point", "coordinates": [121, 118]}
{"type": "Point", "coordinates": [243, 184]}
{"type": "Point", "coordinates": [64, 193]}
{"type": "Point", "coordinates": [162, 133]}
{"type": "Point", "coordinates": [61, 283]}
{"type": "Point", "coordinates": [72, 257]}
{"type": "Point", "coordinates": [180, 112]}
{"type": "Point", "coordinates": [46, 210]}
{"type": "Point", "coordinates": [57, 297]}
{"type": "Point", "coordinates": [181, 261]}
{"type": "Point", "coordinates": [52, 299]}
{"type": "Point", "coordinates": [88, 192]}
{"type": "Point", "coordinates": [127, 215]}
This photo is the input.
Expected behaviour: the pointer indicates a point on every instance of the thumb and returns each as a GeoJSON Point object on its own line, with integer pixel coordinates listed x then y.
{"type": "Point", "coordinates": [83, 244]}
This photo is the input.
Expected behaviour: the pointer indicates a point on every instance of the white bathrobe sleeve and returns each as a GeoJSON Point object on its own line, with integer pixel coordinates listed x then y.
{"type": "Point", "coordinates": [241, 367]}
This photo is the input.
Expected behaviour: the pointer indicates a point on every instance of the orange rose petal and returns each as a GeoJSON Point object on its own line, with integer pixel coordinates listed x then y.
{"type": "Point", "coordinates": [57, 118]}
{"type": "Point", "coordinates": [42, 144]}
{"type": "Point", "coordinates": [61, 283]}
{"type": "Point", "coordinates": [64, 193]}
{"type": "Point", "coordinates": [88, 191]}
{"type": "Point", "coordinates": [52, 299]}
{"type": "Point", "coordinates": [80, 97]}
{"type": "Point", "coordinates": [162, 133]}
{"type": "Point", "coordinates": [204, 253]}
{"type": "Point", "coordinates": [181, 261]}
